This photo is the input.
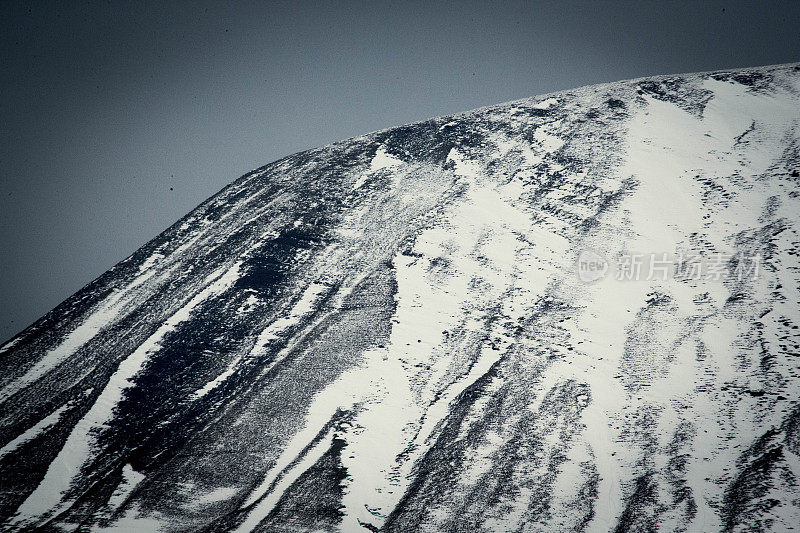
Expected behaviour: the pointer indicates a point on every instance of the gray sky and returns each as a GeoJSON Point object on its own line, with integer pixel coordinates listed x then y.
{"type": "Point", "coordinates": [117, 120]}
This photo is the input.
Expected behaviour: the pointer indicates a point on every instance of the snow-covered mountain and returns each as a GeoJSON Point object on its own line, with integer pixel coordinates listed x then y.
{"type": "Point", "coordinates": [572, 312]}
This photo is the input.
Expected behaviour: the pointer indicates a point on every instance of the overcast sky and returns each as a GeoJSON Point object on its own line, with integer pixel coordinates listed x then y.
{"type": "Point", "coordinates": [116, 120]}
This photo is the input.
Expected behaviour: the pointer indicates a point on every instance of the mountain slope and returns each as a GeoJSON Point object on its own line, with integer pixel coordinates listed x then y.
{"type": "Point", "coordinates": [396, 332]}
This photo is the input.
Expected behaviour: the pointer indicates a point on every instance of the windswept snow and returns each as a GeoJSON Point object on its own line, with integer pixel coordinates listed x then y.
{"type": "Point", "coordinates": [29, 434]}
{"type": "Point", "coordinates": [391, 333]}
{"type": "Point", "coordinates": [48, 498]}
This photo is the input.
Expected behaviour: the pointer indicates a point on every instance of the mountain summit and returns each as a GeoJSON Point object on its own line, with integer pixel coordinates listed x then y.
{"type": "Point", "coordinates": [572, 312]}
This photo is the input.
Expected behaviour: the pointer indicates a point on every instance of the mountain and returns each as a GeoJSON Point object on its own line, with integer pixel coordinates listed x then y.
{"type": "Point", "coordinates": [572, 312]}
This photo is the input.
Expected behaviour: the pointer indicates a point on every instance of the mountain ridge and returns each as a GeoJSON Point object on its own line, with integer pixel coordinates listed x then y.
{"type": "Point", "coordinates": [391, 332]}
{"type": "Point", "coordinates": [265, 167]}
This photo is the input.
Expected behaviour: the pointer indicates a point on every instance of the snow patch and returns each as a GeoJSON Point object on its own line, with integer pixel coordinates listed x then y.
{"type": "Point", "coordinates": [383, 159]}
{"type": "Point", "coordinates": [545, 104]}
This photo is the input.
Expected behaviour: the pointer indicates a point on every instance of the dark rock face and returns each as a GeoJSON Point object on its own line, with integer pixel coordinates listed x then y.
{"type": "Point", "coordinates": [572, 312]}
